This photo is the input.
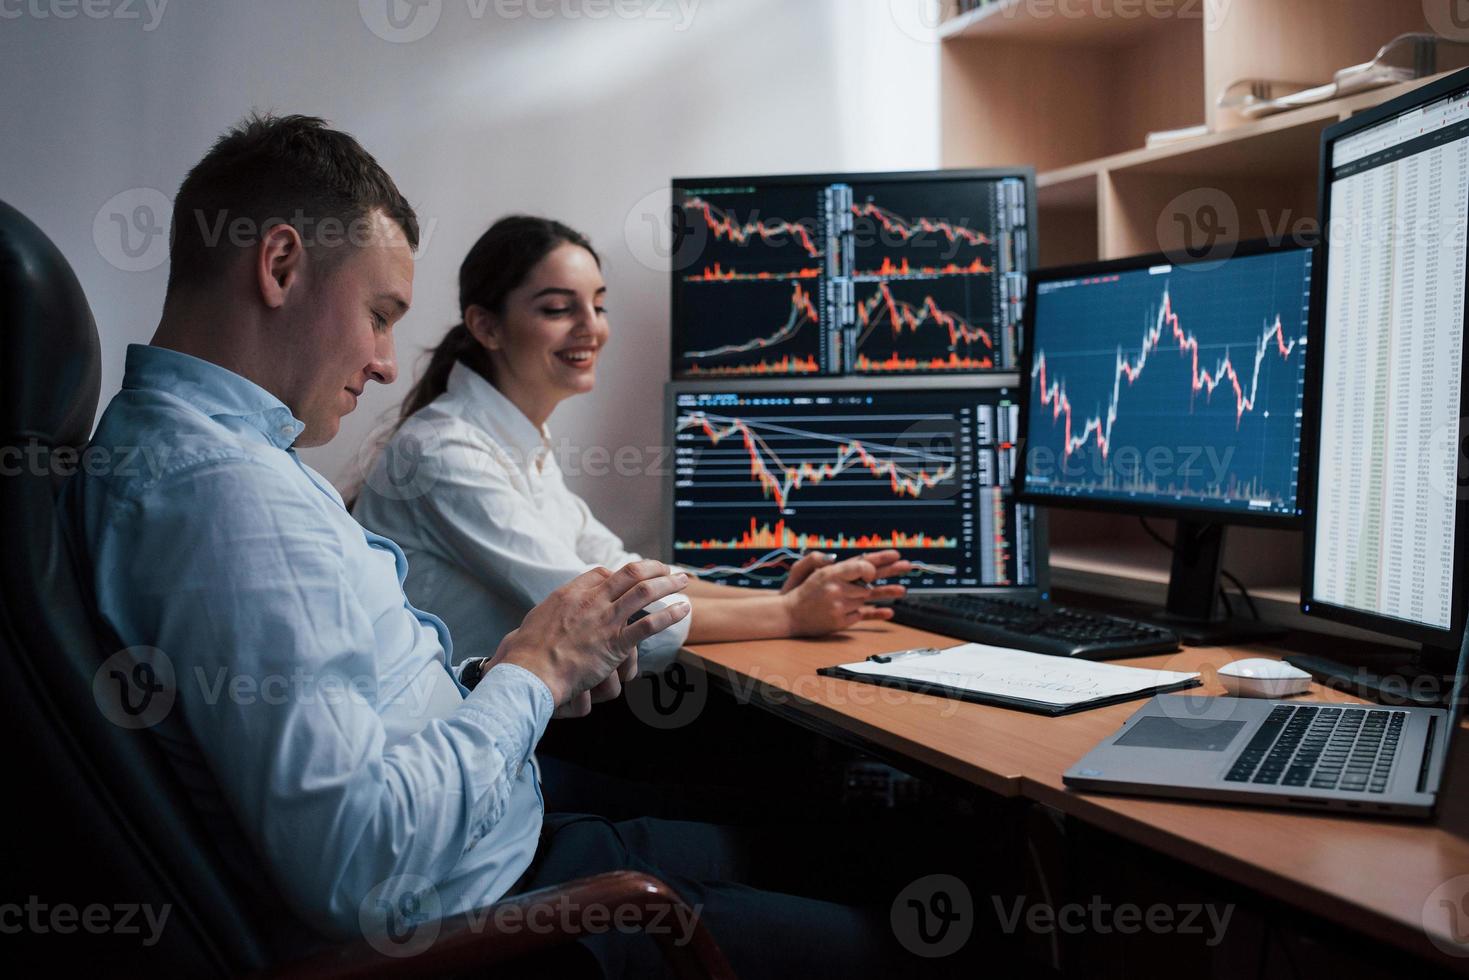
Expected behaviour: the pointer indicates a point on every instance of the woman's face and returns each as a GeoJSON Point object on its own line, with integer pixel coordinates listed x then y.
{"type": "Point", "coordinates": [546, 344]}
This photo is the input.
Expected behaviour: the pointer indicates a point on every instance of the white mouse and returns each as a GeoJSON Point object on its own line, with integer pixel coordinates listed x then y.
{"type": "Point", "coordinates": [677, 598]}
{"type": "Point", "coordinates": [658, 650]}
{"type": "Point", "coordinates": [1261, 678]}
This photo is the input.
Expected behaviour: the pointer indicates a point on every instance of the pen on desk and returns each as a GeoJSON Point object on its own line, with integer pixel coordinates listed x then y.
{"type": "Point", "coordinates": [887, 658]}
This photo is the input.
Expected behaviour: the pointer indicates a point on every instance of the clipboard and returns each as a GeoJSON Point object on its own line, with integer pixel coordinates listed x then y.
{"type": "Point", "coordinates": [1003, 678]}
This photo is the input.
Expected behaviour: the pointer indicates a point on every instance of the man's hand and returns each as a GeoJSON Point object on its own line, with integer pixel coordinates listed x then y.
{"type": "Point", "coordinates": [578, 640]}
{"type": "Point", "coordinates": [832, 596]}
{"type": "Point", "coordinates": [609, 689]}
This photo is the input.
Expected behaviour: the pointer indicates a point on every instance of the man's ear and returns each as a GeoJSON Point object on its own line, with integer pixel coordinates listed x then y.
{"type": "Point", "coordinates": [278, 262]}
{"type": "Point", "coordinates": [483, 325]}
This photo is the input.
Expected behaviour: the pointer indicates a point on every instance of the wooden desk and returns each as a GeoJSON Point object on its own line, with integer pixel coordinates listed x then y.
{"type": "Point", "coordinates": [1373, 875]}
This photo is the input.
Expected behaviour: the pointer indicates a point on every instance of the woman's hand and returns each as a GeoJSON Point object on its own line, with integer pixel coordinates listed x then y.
{"type": "Point", "coordinates": [830, 596]}
{"type": "Point", "coordinates": [804, 566]}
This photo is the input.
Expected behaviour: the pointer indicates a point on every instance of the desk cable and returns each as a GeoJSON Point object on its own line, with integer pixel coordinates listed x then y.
{"type": "Point", "coordinates": [1226, 573]}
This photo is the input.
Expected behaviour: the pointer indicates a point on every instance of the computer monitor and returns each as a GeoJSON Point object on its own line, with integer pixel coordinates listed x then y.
{"type": "Point", "coordinates": [763, 473]}
{"type": "Point", "coordinates": [1167, 388]}
{"type": "Point", "coordinates": [850, 274]}
{"type": "Point", "coordinates": [1385, 537]}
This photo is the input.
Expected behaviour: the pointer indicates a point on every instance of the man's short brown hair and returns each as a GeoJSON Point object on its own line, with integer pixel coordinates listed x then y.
{"type": "Point", "coordinates": [270, 170]}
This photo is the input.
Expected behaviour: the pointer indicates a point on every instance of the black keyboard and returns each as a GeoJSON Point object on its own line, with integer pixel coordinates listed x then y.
{"type": "Point", "coordinates": [1350, 749]}
{"type": "Point", "coordinates": [1036, 626]}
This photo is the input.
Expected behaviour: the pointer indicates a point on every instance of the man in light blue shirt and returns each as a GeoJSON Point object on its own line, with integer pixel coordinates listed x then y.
{"type": "Point", "coordinates": [320, 712]}
{"type": "Point", "coordinates": [239, 562]}
{"type": "Point", "coordinates": [321, 701]}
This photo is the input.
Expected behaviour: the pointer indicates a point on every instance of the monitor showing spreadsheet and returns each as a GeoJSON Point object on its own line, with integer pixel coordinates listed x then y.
{"type": "Point", "coordinates": [1384, 529]}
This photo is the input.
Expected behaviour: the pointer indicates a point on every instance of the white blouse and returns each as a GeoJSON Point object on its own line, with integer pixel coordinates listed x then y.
{"type": "Point", "coordinates": [471, 492]}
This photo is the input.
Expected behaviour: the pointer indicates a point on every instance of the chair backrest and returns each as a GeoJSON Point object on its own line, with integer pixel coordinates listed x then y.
{"type": "Point", "coordinates": [101, 817]}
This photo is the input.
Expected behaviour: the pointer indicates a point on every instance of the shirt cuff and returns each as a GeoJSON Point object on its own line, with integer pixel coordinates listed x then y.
{"type": "Point", "coordinates": [520, 702]}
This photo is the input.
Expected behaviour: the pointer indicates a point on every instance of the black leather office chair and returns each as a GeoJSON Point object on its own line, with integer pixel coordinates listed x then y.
{"type": "Point", "coordinates": [97, 814]}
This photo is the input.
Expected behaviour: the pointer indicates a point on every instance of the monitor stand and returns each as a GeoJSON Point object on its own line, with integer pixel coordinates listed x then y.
{"type": "Point", "coordinates": [1193, 610]}
{"type": "Point", "coordinates": [1401, 678]}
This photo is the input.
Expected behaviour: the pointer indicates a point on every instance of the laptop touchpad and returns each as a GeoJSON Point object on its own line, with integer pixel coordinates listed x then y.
{"type": "Point", "coordinates": [1156, 732]}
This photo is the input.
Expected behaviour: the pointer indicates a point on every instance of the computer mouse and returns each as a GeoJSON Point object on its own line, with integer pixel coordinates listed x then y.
{"type": "Point", "coordinates": [663, 603]}
{"type": "Point", "coordinates": [669, 600]}
{"type": "Point", "coordinates": [1258, 677]}
{"type": "Point", "coordinates": [659, 650]}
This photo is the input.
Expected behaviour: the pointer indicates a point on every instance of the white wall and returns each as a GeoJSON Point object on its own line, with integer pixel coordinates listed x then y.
{"type": "Point", "coordinates": [499, 105]}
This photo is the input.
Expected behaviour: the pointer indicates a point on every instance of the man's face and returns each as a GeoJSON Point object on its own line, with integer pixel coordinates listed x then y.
{"type": "Point", "coordinates": [342, 331]}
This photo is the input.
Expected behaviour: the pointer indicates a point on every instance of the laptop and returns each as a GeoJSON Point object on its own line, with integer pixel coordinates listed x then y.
{"type": "Point", "coordinates": [1292, 753]}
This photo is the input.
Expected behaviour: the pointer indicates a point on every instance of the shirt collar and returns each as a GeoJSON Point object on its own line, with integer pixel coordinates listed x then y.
{"type": "Point", "coordinates": [499, 416]}
{"type": "Point", "coordinates": [212, 389]}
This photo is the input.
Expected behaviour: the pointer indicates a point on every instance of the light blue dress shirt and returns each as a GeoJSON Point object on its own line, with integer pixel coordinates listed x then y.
{"type": "Point", "coordinates": [317, 697]}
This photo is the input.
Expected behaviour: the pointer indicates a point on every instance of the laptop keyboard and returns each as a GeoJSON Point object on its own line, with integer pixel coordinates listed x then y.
{"type": "Point", "coordinates": [1341, 748]}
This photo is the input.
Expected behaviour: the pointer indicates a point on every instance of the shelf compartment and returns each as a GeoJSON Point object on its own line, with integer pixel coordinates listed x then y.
{"type": "Point", "coordinates": [1110, 22]}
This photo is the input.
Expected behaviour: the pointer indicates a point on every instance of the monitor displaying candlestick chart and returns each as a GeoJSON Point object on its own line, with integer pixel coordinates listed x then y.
{"type": "Point", "coordinates": [938, 276]}
{"type": "Point", "coordinates": [764, 474]}
{"type": "Point", "coordinates": [1154, 385]}
{"type": "Point", "coordinates": [849, 274]}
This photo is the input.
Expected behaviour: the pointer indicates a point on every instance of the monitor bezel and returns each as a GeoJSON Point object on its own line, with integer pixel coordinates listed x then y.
{"type": "Point", "coordinates": [1310, 605]}
{"type": "Point", "coordinates": [1026, 173]}
{"type": "Point", "coordinates": [1149, 508]}
{"type": "Point", "coordinates": [1041, 587]}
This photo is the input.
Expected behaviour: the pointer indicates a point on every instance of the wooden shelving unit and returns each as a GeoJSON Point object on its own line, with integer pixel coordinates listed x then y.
{"type": "Point", "coordinates": [1263, 172]}
{"type": "Point", "coordinates": [1073, 87]}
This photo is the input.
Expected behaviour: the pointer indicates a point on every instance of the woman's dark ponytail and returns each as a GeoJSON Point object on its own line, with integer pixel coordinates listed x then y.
{"type": "Point", "coordinates": [458, 345]}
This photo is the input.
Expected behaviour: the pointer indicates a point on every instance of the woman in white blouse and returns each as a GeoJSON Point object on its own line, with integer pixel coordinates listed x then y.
{"type": "Point", "coordinates": [467, 484]}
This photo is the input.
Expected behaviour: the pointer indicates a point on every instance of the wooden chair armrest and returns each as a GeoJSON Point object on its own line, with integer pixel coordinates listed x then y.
{"type": "Point", "coordinates": [511, 929]}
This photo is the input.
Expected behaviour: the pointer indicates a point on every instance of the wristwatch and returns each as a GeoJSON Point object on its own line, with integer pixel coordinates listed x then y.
{"type": "Point", "coordinates": [473, 671]}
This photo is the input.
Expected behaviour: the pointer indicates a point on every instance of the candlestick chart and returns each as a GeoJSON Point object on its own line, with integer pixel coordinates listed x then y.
{"type": "Point", "coordinates": [749, 296]}
{"type": "Point", "coordinates": [1173, 384]}
{"type": "Point", "coordinates": [908, 327]}
{"type": "Point", "coordinates": [938, 277]}
{"type": "Point", "coordinates": [777, 332]}
{"type": "Point", "coordinates": [825, 276]}
{"type": "Point", "coordinates": [762, 478]}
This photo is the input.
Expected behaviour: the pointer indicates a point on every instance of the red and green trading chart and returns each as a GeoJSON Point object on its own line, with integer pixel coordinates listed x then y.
{"type": "Point", "coordinates": [763, 476]}
{"type": "Point", "coordinates": [936, 284]}
{"type": "Point", "coordinates": [801, 277]}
